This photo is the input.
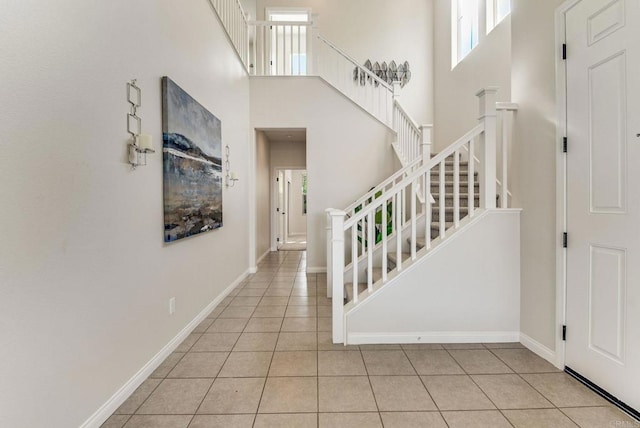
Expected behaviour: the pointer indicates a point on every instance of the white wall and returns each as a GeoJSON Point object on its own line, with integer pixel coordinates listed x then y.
{"type": "Point", "coordinates": [454, 294]}
{"type": "Point", "coordinates": [85, 277]}
{"type": "Point", "coordinates": [287, 154]}
{"type": "Point", "coordinates": [534, 158]}
{"type": "Point", "coordinates": [263, 194]}
{"type": "Point", "coordinates": [489, 64]}
{"type": "Point", "coordinates": [348, 151]}
{"type": "Point", "coordinates": [297, 219]}
{"type": "Point", "coordinates": [380, 30]}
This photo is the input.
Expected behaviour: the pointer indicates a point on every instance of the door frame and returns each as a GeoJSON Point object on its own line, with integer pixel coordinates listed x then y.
{"type": "Point", "coordinates": [562, 219]}
{"type": "Point", "coordinates": [274, 202]}
{"type": "Point", "coordinates": [285, 10]}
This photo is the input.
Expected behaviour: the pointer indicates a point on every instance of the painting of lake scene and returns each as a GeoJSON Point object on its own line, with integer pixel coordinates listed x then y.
{"type": "Point", "coordinates": [192, 161]}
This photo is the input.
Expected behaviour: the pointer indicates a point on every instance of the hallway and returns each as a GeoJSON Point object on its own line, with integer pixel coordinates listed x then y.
{"type": "Point", "coordinates": [264, 358]}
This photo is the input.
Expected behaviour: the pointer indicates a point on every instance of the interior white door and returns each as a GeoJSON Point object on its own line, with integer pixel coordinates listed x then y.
{"type": "Point", "coordinates": [603, 202]}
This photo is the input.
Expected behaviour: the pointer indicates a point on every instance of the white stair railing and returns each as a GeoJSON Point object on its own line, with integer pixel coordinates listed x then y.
{"type": "Point", "coordinates": [355, 81]}
{"type": "Point", "coordinates": [234, 21]}
{"type": "Point", "coordinates": [381, 189]}
{"type": "Point", "coordinates": [393, 209]}
{"type": "Point", "coordinates": [295, 49]}
{"type": "Point", "coordinates": [280, 48]}
{"type": "Point", "coordinates": [506, 113]}
{"type": "Point", "coordinates": [284, 48]}
{"type": "Point", "coordinates": [410, 135]}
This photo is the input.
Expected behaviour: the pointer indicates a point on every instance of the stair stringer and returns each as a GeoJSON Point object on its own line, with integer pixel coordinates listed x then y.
{"type": "Point", "coordinates": [466, 289]}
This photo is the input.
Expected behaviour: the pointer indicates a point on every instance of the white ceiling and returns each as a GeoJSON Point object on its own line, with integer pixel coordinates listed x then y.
{"type": "Point", "coordinates": [294, 135]}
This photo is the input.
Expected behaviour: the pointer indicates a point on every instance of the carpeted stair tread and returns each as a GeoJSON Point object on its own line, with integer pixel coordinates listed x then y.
{"type": "Point", "coordinates": [348, 290]}
{"type": "Point", "coordinates": [392, 258]}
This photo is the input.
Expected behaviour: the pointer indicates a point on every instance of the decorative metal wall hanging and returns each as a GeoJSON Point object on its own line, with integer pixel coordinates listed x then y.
{"type": "Point", "coordinates": [140, 144]}
{"type": "Point", "coordinates": [389, 73]}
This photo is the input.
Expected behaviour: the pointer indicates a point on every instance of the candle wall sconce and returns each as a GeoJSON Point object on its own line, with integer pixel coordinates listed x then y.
{"type": "Point", "coordinates": [230, 177]}
{"type": "Point", "coordinates": [139, 144]}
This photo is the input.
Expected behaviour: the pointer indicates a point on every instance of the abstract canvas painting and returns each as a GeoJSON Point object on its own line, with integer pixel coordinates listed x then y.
{"type": "Point", "coordinates": [192, 161]}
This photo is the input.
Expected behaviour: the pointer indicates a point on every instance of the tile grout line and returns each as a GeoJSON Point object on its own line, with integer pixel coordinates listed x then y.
{"type": "Point", "coordinates": [424, 386]}
{"type": "Point", "coordinates": [478, 386]}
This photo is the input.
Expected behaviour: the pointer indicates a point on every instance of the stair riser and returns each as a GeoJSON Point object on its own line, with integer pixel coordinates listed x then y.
{"type": "Point", "coordinates": [448, 188]}
{"type": "Point", "coordinates": [448, 215]}
{"type": "Point", "coordinates": [448, 203]}
{"type": "Point", "coordinates": [435, 175]}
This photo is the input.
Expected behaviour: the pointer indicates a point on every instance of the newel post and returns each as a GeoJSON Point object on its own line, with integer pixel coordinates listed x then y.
{"type": "Point", "coordinates": [488, 150]}
{"type": "Point", "coordinates": [427, 142]}
{"type": "Point", "coordinates": [395, 86]}
{"type": "Point", "coordinates": [335, 270]}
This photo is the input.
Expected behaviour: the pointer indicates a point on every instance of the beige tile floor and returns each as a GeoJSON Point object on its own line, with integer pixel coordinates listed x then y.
{"type": "Point", "coordinates": [264, 358]}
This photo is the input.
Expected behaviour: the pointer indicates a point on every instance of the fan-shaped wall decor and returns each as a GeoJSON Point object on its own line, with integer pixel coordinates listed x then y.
{"type": "Point", "coordinates": [393, 72]}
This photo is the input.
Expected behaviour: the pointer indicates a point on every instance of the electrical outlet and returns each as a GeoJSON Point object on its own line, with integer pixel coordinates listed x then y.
{"type": "Point", "coordinates": [172, 306]}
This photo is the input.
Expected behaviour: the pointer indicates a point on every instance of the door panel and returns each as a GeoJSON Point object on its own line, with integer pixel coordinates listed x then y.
{"type": "Point", "coordinates": [603, 211]}
{"type": "Point", "coordinates": [608, 112]}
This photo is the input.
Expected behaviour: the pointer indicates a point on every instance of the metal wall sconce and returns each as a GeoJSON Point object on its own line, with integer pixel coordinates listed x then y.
{"type": "Point", "coordinates": [140, 144]}
{"type": "Point", "coordinates": [230, 177]}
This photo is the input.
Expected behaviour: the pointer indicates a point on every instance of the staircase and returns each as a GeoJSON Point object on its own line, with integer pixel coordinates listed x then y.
{"type": "Point", "coordinates": [402, 228]}
{"type": "Point", "coordinates": [449, 216]}
{"type": "Point", "coordinates": [405, 220]}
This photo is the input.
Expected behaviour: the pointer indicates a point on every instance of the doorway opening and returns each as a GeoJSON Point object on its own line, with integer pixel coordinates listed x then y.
{"type": "Point", "coordinates": [282, 195]}
{"type": "Point", "coordinates": [292, 223]}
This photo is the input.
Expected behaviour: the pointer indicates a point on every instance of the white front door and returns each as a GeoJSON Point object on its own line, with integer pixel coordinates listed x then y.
{"type": "Point", "coordinates": [603, 195]}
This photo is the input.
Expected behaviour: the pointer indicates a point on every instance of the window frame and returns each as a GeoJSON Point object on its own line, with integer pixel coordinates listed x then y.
{"type": "Point", "coordinates": [493, 20]}
{"type": "Point", "coordinates": [457, 50]}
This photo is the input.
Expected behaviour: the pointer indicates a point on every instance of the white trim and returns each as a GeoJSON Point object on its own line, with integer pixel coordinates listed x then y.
{"type": "Point", "coordinates": [541, 350]}
{"type": "Point", "coordinates": [266, 253]}
{"type": "Point", "coordinates": [317, 269]}
{"type": "Point", "coordinates": [561, 182]}
{"type": "Point", "coordinates": [253, 204]}
{"type": "Point", "coordinates": [116, 400]}
{"type": "Point", "coordinates": [433, 337]}
{"type": "Point", "coordinates": [287, 11]}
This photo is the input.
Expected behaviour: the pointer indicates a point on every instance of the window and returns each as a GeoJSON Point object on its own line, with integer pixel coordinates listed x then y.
{"type": "Point", "coordinates": [466, 31]}
{"type": "Point", "coordinates": [497, 10]}
{"type": "Point", "coordinates": [466, 28]}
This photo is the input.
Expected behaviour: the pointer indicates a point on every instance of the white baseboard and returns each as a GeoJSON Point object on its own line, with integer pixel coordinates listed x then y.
{"type": "Point", "coordinates": [107, 409]}
{"type": "Point", "coordinates": [316, 270]}
{"type": "Point", "coordinates": [254, 269]}
{"type": "Point", "coordinates": [539, 349]}
{"type": "Point", "coordinates": [434, 337]}
{"type": "Point", "coordinates": [266, 253]}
